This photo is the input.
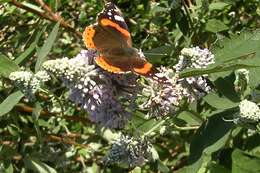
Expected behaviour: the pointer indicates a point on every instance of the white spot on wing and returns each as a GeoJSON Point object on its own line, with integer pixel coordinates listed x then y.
{"type": "Point", "coordinates": [109, 13]}
{"type": "Point", "coordinates": [119, 18]}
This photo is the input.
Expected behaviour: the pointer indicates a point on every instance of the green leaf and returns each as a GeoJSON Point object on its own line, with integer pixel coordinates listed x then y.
{"type": "Point", "coordinates": [157, 9]}
{"type": "Point", "coordinates": [7, 66]}
{"type": "Point", "coordinates": [215, 26]}
{"type": "Point", "coordinates": [162, 167]}
{"type": "Point", "coordinates": [46, 48]}
{"type": "Point", "coordinates": [34, 7]}
{"type": "Point", "coordinates": [215, 168]}
{"type": "Point", "coordinates": [147, 125]}
{"type": "Point", "coordinates": [226, 97]}
{"type": "Point", "coordinates": [6, 152]}
{"type": "Point", "coordinates": [36, 165]}
{"type": "Point", "coordinates": [208, 139]}
{"type": "Point", "coordinates": [215, 69]}
{"type": "Point", "coordinates": [214, 100]}
{"type": "Point", "coordinates": [244, 163]}
{"type": "Point", "coordinates": [155, 55]}
{"type": "Point", "coordinates": [139, 122]}
{"type": "Point", "coordinates": [8, 104]}
{"type": "Point", "coordinates": [218, 6]}
{"type": "Point", "coordinates": [189, 119]}
{"type": "Point", "coordinates": [36, 111]}
{"type": "Point", "coordinates": [247, 47]}
{"type": "Point", "coordinates": [31, 48]}
{"type": "Point", "coordinates": [194, 168]}
{"type": "Point", "coordinates": [137, 170]}
{"type": "Point", "coordinates": [238, 45]}
{"type": "Point", "coordinates": [254, 79]}
{"type": "Point", "coordinates": [9, 169]}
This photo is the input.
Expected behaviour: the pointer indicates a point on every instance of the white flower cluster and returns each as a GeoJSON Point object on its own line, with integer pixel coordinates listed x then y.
{"type": "Point", "coordinates": [94, 89]}
{"type": "Point", "coordinates": [249, 112]}
{"type": "Point", "coordinates": [28, 82]}
{"type": "Point", "coordinates": [129, 151]}
{"type": "Point", "coordinates": [195, 58]}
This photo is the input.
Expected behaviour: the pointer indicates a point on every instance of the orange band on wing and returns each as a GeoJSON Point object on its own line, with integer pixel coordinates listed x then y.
{"type": "Point", "coordinates": [106, 22]}
{"type": "Point", "coordinates": [88, 35]}
{"type": "Point", "coordinates": [103, 64]}
{"type": "Point", "coordinates": [147, 67]}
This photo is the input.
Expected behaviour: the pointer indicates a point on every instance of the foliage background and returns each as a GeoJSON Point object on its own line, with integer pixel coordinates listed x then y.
{"type": "Point", "coordinates": [197, 139]}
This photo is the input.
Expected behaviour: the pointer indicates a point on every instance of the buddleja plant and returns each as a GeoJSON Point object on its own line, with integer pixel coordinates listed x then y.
{"type": "Point", "coordinates": [110, 99]}
{"type": "Point", "coordinates": [70, 115]}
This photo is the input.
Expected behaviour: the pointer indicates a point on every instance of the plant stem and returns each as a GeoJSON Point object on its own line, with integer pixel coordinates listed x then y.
{"type": "Point", "coordinates": [185, 128]}
{"type": "Point", "coordinates": [48, 14]}
{"type": "Point", "coordinates": [155, 127]}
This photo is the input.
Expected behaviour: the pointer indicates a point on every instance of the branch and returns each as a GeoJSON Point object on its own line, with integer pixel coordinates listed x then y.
{"type": "Point", "coordinates": [48, 14]}
{"type": "Point", "coordinates": [64, 140]}
{"type": "Point", "coordinates": [28, 109]}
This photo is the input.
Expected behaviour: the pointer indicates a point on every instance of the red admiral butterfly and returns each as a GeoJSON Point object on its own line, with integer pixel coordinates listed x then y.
{"type": "Point", "coordinates": [111, 38]}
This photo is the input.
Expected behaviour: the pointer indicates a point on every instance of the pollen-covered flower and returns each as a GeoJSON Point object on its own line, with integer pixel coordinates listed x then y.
{"type": "Point", "coordinates": [129, 151]}
{"type": "Point", "coordinates": [164, 98]}
{"type": "Point", "coordinates": [28, 82]}
{"type": "Point", "coordinates": [195, 58]}
{"type": "Point", "coordinates": [94, 89]}
{"type": "Point", "coordinates": [167, 97]}
{"type": "Point", "coordinates": [249, 112]}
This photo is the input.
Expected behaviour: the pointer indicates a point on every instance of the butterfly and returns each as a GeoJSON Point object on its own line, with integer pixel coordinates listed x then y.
{"type": "Point", "coordinates": [112, 40]}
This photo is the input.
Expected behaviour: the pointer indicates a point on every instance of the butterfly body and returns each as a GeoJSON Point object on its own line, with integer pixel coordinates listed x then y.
{"type": "Point", "coordinates": [111, 38]}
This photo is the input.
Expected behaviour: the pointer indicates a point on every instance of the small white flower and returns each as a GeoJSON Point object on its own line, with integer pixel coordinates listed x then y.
{"type": "Point", "coordinates": [194, 58]}
{"type": "Point", "coordinates": [43, 76]}
{"type": "Point", "coordinates": [249, 111]}
{"type": "Point", "coordinates": [27, 82]}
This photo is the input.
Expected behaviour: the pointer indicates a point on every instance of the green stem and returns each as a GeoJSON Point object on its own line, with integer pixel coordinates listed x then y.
{"type": "Point", "coordinates": [155, 127]}
{"type": "Point", "coordinates": [185, 128]}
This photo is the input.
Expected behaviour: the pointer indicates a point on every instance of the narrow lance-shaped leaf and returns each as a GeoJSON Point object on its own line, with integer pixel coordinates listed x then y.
{"type": "Point", "coordinates": [37, 165]}
{"type": "Point", "coordinates": [7, 66]}
{"type": "Point", "coordinates": [31, 48]}
{"type": "Point", "coordinates": [45, 49]}
{"type": "Point", "coordinates": [8, 104]}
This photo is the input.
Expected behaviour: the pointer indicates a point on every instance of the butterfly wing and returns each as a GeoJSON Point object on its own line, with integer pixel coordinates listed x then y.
{"type": "Point", "coordinates": [111, 31]}
{"type": "Point", "coordinates": [111, 19]}
{"type": "Point", "coordinates": [96, 37]}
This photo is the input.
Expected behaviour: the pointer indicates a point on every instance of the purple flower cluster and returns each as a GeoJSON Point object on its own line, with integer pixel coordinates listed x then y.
{"type": "Point", "coordinates": [166, 98]}
{"type": "Point", "coordinates": [97, 91]}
